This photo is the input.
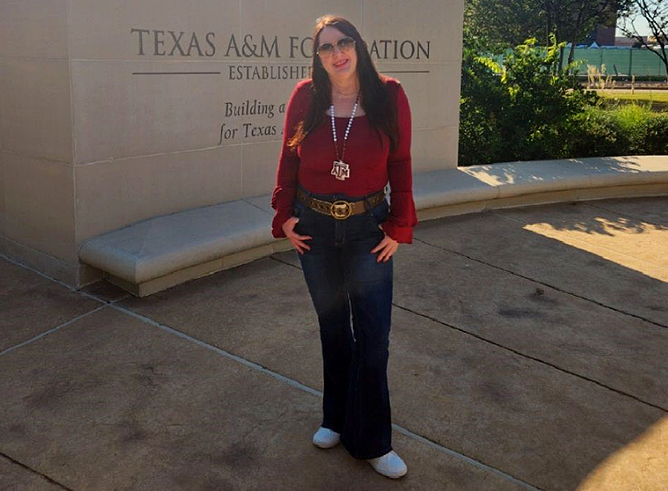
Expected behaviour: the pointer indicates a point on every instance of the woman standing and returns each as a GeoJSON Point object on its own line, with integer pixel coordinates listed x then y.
{"type": "Point", "coordinates": [347, 133]}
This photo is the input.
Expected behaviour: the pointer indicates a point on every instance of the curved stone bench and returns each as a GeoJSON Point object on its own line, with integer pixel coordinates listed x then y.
{"type": "Point", "coordinates": [469, 189]}
{"type": "Point", "coordinates": [163, 251]}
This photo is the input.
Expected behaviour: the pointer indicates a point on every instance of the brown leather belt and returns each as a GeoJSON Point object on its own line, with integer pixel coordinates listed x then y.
{"type": "Point", "coordinates": [340, 209]}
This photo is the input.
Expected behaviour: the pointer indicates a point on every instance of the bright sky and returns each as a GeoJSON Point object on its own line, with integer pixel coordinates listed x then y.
{"type": "Point", "coordinates": [641, 25]}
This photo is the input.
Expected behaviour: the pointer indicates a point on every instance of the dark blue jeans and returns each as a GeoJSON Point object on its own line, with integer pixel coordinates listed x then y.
{"type": "Point", "coordinates": [344, 280]}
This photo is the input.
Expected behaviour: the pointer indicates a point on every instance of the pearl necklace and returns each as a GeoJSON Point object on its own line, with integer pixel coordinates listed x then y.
{"type": "Point", "coordinates": [340, 169]}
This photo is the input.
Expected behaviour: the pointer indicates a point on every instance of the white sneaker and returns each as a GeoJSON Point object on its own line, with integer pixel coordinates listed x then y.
{"type": "Point", "coordinates": [389, 465]}
{"type": "Point", "coordinates": [326, 438]}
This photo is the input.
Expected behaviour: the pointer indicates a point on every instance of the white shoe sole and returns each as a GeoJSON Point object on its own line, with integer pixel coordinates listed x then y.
{"type": "Point", "coordinates": [381, 467]}
{"type": "Point", "coordinates": [325, 438]}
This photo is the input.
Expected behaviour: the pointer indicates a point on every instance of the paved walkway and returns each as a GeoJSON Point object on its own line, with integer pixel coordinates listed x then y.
{"type": "Point", "coordinates": [528, 352]}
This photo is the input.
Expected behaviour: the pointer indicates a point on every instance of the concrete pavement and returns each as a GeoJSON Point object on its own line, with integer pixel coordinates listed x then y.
{"type": "Point", "coordinates": [528, 351]}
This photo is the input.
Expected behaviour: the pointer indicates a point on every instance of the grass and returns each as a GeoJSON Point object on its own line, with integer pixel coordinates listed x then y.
{"type": "Point", "coordinates": [657, 99]}
{"type": "Point", "coordinates": [639, 95]}
{"type": "Point", "coordinates": [630, 116]}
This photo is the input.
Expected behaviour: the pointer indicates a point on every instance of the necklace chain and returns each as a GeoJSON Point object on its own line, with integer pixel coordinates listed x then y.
{"type": "Point", "coordinates": [346, 95]}
{"type": "Point", "coordinates": [345, 136]}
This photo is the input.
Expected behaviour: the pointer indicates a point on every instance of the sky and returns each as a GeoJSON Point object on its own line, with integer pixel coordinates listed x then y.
{"type": "Point", "coordinates": [641, 25]}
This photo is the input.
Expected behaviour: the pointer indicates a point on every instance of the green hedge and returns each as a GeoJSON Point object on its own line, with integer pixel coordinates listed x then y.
{"type": "Point", "coordinates": [625, 130]}
{"type": "Point", "coordinates": [655, 135]}
{"type": "Point", "coordinates": [527, 109]}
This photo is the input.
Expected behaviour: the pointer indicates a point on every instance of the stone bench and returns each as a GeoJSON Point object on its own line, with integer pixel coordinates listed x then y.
{"type": "Point", "coordinates": [163, 251]}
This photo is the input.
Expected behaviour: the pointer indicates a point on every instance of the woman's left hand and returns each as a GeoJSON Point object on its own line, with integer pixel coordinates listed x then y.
{"type": "Point", "coordinates": [387, 247]}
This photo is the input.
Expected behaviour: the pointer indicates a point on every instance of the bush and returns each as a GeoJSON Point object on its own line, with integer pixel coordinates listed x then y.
{"type": "Point", "coordinates": [529, 109]}
{"type": "Point", "coordinates": [656, 135]}
{"type": "Point", "coordinates": [517, 111]}
{"type": "Point", "coordinates": [481, 101]}
{"type": "Point", "coordinates": [625, 130]}
{"type": "Point", "coordinates": [595, 133]}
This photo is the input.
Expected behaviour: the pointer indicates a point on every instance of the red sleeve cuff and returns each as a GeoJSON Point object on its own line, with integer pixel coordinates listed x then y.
{"type": "Point", "coordinates": [277, 223]}
{"type": "Point", "coordinates": [403, 235]}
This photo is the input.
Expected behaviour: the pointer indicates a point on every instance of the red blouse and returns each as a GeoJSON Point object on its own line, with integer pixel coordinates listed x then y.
{"type": "Point", "coordinates": [371, 163]}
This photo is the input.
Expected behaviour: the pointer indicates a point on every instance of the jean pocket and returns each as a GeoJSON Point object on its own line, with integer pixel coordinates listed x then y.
{"type": "Point", "coordinates": [300, 210]}
{"type": "Point", "coordinates": [380, 212]}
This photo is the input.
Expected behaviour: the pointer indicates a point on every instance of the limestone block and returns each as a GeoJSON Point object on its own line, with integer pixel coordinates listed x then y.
{"type": "Point", "coordinates": [39, 204]}
{"type": "Point", "coordinates": [115, 193]}
{"type": "Point", "coordinates": [622, 170]}
{"type": "Point", "coordinates": [34, 29]}
{"type": "Point", "coordinates": [294, 19]}
{"type": "Point", "coordinates": [516, 178]}
{"type": "Point", "coordinates": [434, 148]}
{"type": "Point", "coordinates": [35, 102]}
{"type": "Point", "coordinates": [432, 90]}
{"type": "Point", "coordinates": [110, 30]}
{"type": "Point", "coordinates": [122, 113]}
{"type": "Point", "coordinates": [409, 23]}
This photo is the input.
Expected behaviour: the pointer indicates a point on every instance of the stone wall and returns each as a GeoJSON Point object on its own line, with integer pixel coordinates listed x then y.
{"type": "Point", "coordinates": [114, 112]}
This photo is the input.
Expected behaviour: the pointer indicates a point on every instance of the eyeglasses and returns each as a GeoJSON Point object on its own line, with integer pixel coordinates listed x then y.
{"type": "Point", "coordinates": [344, 45]}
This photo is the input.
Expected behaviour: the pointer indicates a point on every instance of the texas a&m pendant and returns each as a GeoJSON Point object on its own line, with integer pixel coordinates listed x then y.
{"type": "Point", "coordinates": [340, 170]}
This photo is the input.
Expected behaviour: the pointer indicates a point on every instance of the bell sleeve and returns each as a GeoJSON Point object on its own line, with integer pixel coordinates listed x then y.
{"type": "Point", "coordinates": [402, 218]}
{"type": "Point", "coordinates": [288, 163]}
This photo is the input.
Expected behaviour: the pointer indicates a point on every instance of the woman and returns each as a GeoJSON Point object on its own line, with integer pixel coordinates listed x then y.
{"type": "Point", "coordinates": [347, 132]}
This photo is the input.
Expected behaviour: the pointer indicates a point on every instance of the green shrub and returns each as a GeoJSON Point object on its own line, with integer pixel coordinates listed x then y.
{"type": "Point", "coordinates": [595, 132]}
{"type": "Point", "coordinates": [631, 121]}
{"type": "Point", "coordinates": [518, 111]}
{"type": "Point", "coordinates": [528, 109]}
{"type": "Point", "coordinates": [656, 135]}
{"type": "Point", "coordinates": [481, 101]}
{"type": "Point", "coordinates": [624, 130]}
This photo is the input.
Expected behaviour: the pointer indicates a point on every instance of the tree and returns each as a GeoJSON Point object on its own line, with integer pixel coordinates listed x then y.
{"type": "Point", "coordinates": [505, 24]}
{"type": "Point", "coordinates": [583, 15]}
{"type": "Point", "coordinates": [510, 22]}
{"type": "Point", "coordinates": [572, 20]}
{"type": "Point", "coordinates": [655, 12]}
{"type": "Point", "coordinates": [587, 13]}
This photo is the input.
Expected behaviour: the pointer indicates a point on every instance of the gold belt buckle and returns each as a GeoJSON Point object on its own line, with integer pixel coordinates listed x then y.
{"type": "Point", "coordinates": [341, 209]}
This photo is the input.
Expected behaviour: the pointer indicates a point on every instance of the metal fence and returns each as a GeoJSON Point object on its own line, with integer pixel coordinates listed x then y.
{"type": "Point", "coordinates": [620, 62]}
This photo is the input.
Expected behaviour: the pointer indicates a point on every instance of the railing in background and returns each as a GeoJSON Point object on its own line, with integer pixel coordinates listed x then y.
{"type": "Point", "coordinates": [620, 62]}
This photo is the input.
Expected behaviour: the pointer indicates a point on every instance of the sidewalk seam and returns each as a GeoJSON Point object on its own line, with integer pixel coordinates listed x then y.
{"type": "Point", "coordinates": [524, 355]}
{"type": "Point", "coordinates": [310, 390]}
{"type": "Point", "coordinates": [499, 345]}
{"type": "Point", "coordinates": [52, 330]}
{"type": "Point", "coordinates": [469, 460]}
{"type": "Point", "coordinates": [220, 351]}
{"type": "Point", "coordinates": [514, 273]}
{"type": "Point", "coordinates": [30, 469]}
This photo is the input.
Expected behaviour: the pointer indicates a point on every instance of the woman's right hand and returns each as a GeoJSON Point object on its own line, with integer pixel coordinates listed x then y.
{"type": "Point", "coordinates": [296, 239]}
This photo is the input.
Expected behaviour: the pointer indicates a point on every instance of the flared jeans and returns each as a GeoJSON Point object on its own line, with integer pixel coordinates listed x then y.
{"type": "Point", "coordinates": [345, 281]}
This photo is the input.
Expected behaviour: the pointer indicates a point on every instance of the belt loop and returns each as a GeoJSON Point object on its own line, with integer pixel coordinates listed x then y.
{"type": "Point", "coordinates": [367, 204]}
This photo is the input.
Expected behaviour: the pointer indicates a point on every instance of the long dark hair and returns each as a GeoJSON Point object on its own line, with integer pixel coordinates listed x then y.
{"type": "Point", "coordinates": [375, 97]}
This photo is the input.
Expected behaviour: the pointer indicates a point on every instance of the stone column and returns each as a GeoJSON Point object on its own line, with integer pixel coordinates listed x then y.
{"type": "Point", "coordinates": [37, 209]}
